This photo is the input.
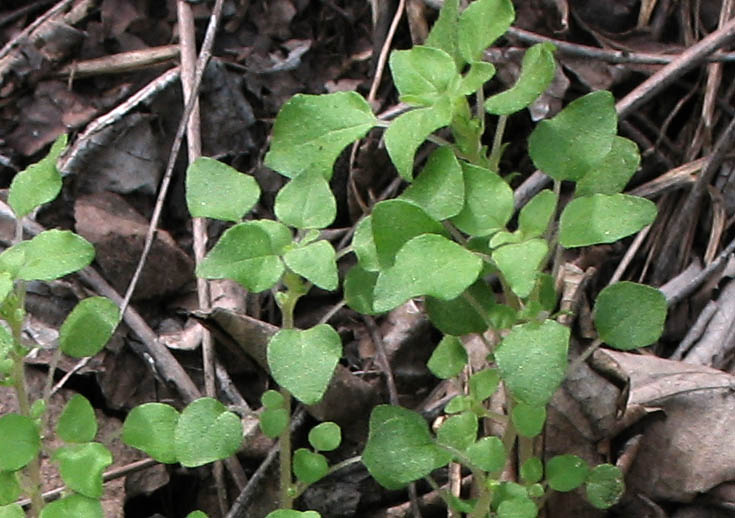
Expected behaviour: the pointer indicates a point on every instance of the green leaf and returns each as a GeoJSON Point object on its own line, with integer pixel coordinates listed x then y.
{"type": "Point", "coordinates": [532, 471]}
{"type": "Point", "coordinates": [408, 131]}
{"type": "Point", "coordinates": [443, 34]}
{"type": "Point", "coordinates": [312, 130]}
{"type": "Point", "coordinates": [81, 467]}
{"type": "Point", "coordinates": [604, 486]}
{"type": "Point", "coordinates": [533, 359]}
{"type": "Point", "coordinates": [244, 254]}
{"type": "Point", "coordinates": [359, 286]}
{"type": "Point", "coordinates": [88, 327]}
{"type": "Point", "coordinates": [73, 505]}
{"type": "Point", "coordinates": [458, 431]}
{"type": "Point", "coordinates": [77, 422]}
{"type": "Point", "coordinates": [612, 174]}
{"type": "Point", "coordinates": [273, 421]}
{"type": "Point", "coordinates": [448, 359]}
{"type": "Point", "coordinates": [326, 436]}
{"type": "Point", "coordinates": [279, 234]}
{"type": "Point", "coordinates": [528, 420]}
{"type": "Point", "coordinates": [206, 432]}
{"type": "Point", "coordinates": [480, 72]}
{"type": "Point", "coordinates": [566, 472]}
{"type": "Point", "coordinates": [458, 316]}
{"type": "Point", "coordinates": [630, 315]}
{"type": "Point", "coordinates": [446, 269]}
{"type": "Point", "coordinates": [20, 440]}
{"type": "Point", "coordinates": [6, 285]}
{"type": "Point", "coordinates": [483, 384]}
{"type": "Point", "coordinates": [150, 427]}
{"type": "Point", "coordinates": [458, 404]}
{"type": "Point", "coordinates": [364, 245]}
{"type": "Point", "coordinates": [537, 71]}
{"type": "Point", "coordinates": [53, 254]}
{"type": "Point", "coordinates": [303, 361]}
{"type": "Point", "coordinates": [394, 223]}
{"type": "Point", "coordinates": [519, 263]}
{"type": "Point", "coordinates": [575, 141]}
{"type": "Point", "coordinates": [207, 179]}
{"type": "Point", "coordinates": [439, 189]}
{"type": "Point", "coordinates": [483, 22]}
{"type": "Point", "coordinates": [272, 399]}
{"type": "Point", "coordinates": [316, 263]}
{"type": "Point", "coordinates": [12, 511]}
{"type": "Point", "coordinates": [423, 75]}
{"type": "Point", "coordinates": [399, 448]}
{"type": "Point", "coordinates": [39, 183]}
{"type": "Point", "coordinates": [197, 514]}
{"type": "Point", "coordinates": [536, 214]}
{"type": "Point", "coordinates": [488, 202]}
{"type": "Point", "coordinates": [487, 454]}
{"type": "Point", "coordinates": [603, 218]}
{"type": "Point", "coordinates": [288, 513]}
{"type": "Point", "coordinates": [9, 489]}
{"type": "Point", "coordinates": [517, 508]}
{"type": "Point", "coordinates": [306, 202]}
{"type": "Point", "coordinates": [309, 467]}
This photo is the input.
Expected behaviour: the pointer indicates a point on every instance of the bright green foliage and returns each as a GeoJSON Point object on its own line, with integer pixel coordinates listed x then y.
{"type": "Point", "coordinates": [6, 285]}
{"type": "Point", "coordinates": [439, 189]}
{"type": "Point", "coordinates": [405, 134]}
{"type": "Point", "coordinates": [488, 454]}
{"type": "Point", "coordinates": [458, 431]}
{"type": "Point", "coordinates": [289, 513]}
{"type": "Point", "coordinates": [532, 470]}
{"type": "Point", "coordinates": [20, 441]}
{"type": "Point", "coordinates": [458, 316]}
{"type": "Point", "coordinates": [12, 511]}
{"type": "Point", "coordinates": [611, 175]}
{"type": "Point", "coordinates": [306, 201]}
{"type": "Point", "coordinates": [272, 399]}
{"type": "Point", "coordinates": [483, 384]}
{"type": "Point", "coordinates": [206, 431]}
{"type": "Point", "coordinates": [77, 422]}
{"type": "Point", "coordinates": [580, 136]}
{"type": "Point", "coordinates": [458, 404]}
{"type": "Point", "coordinates": [446, 270]}
{"type": "Point", "coordinates": [219, 191]}
{"type": "Point", "coordinates": [536, 215]}
{"type": "Point", "coordinates": [395, 222]}
{"type": "Point", "coordinates": [603, 218]}
{"type": "Point", "coordinates": [480, 72]}
{"type": "Point", "coordinates": [448, 359]}
{"type": "Point", "coordinates": [196, 514]}
{"type": "Point", "coordinates": [38, 408]}
{"type": "Point", "coordinates": [532, 360]}
{"type": "Point", "coordinates": [400, 448]}
{"type": "Point", "coordinates": [630, 315]}
{"type": "Point", "coordinates": [88, 327]}
{"type": "Point", "coordinates": [303, 361]}
{"type": "Point", "coordinates": [528, 420]}
{"type": "Point", "coordinates": [359, 286]}
{"type": "Point", "coordinates": [150, 427]}
{"type": "Point", "coordinates": [81, 467]}
{"type": "Point", "coordinates": [315, 262]}
{"type": "Point", "coordinates": [37, 184]}
{"type": "Point", "coordinates": [488, 202]}
{"type": "Point", "coordinates": [517, 508]}
{"type": "Point", "coordinates": [483, 22]}
{"type": "Point", "coordinates": [273, 421]}
{"type": "Point", "coordinates": [537, 71]}
{"type": "Point", "coordinates": [443, 34]}
{"type": "Point", "coordinates": [604, 486]}
{"type": "Point", "coordinates": [312, 130]}
{"type": "Point", "coordinates": [325, 436]}
{"type": "Point", "coordinates": [48, 256]}
{"type": "Point", "coordinates": [423, 75]}
{"type": "Point", "coordinates": [519, 263]}
{"type": "Point", "coordinates": [73, 505]}
{"type": "Point", "coordinates": [309, 467]}
{"type": "Point", "coordinates": [566, 472]}
{"type": "Point", "coordinates": [279, 234]}
{"type": "Point", "coordinates": [9, 488]}
{"type": "Point", "coordinates": [364, 245]}
{"type": "Point", "coordinates": [246, 255]}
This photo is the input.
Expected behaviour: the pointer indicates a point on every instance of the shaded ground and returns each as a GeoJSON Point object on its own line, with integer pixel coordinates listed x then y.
{"type": "Point", "coordinates": [63, 73]}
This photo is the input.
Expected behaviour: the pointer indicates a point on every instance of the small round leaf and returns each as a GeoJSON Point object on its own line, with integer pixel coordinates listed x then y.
{"type": "Point", "coordinates": [517, 508]}
{"type": "Point", "coordinates": [488, 454]}
{"type": "Point", "coordinates": [604, 486]}
{"type": "Point", "coordinates": [77, 422]}
{"type": "Point", "coordinates": [630, 315]}
{"type": "Point", "coordinates": [73, 505]}
{"type": "Point", "coordinates": [448, 359]}
{"type": "Point", "coordinates": [9, 488]}
{"type": "Point", "coordinates": [207, 179]}
{"type": "Point", "coordinates": [89, 327]}
{"type": "Point", "coordinates": [150, 428]}
{"type": "Point", "coordinates": [532, 470]}
{"type": "Point", "coordinates": [325, 436]}
{"type": "Point", "coordinates": [12, 511]}
{"type": "Point", "coordinates": [205, 432]}
{"type": "Point", "coordinates": [81, 467]}
{"type": "Point", "coordinates": [529, 420]}
{"type": "Point", "coordinates": [566, 472]}
{"type": "Point", "coordinates": [308, 466]}
{"type": "Point", "coordinates": [272, 399]}
{"type": "Point", "coordinates": [273, 421]}
{"type": "Point", "coordinates": [20, 441]}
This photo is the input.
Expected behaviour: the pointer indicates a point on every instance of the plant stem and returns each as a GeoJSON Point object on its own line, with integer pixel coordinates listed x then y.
{"type": "Point", "coordinates": [583, 357]}
{"type": "Point", "coordinates": [498, 143]}
{"type": "Point", "coordinates": [284, 444]}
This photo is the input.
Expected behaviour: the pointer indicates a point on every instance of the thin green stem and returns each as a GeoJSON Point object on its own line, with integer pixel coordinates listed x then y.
{"type": "Point", "coordinates": [497, 148]}
{"type": "Point", "coordinates": [284, 455]}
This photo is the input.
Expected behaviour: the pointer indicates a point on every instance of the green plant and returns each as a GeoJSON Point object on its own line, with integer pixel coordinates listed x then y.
{"type": "Point", "coordinates": [451, 225]}
{"type": "Point", "coordinates": [204, 431]}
